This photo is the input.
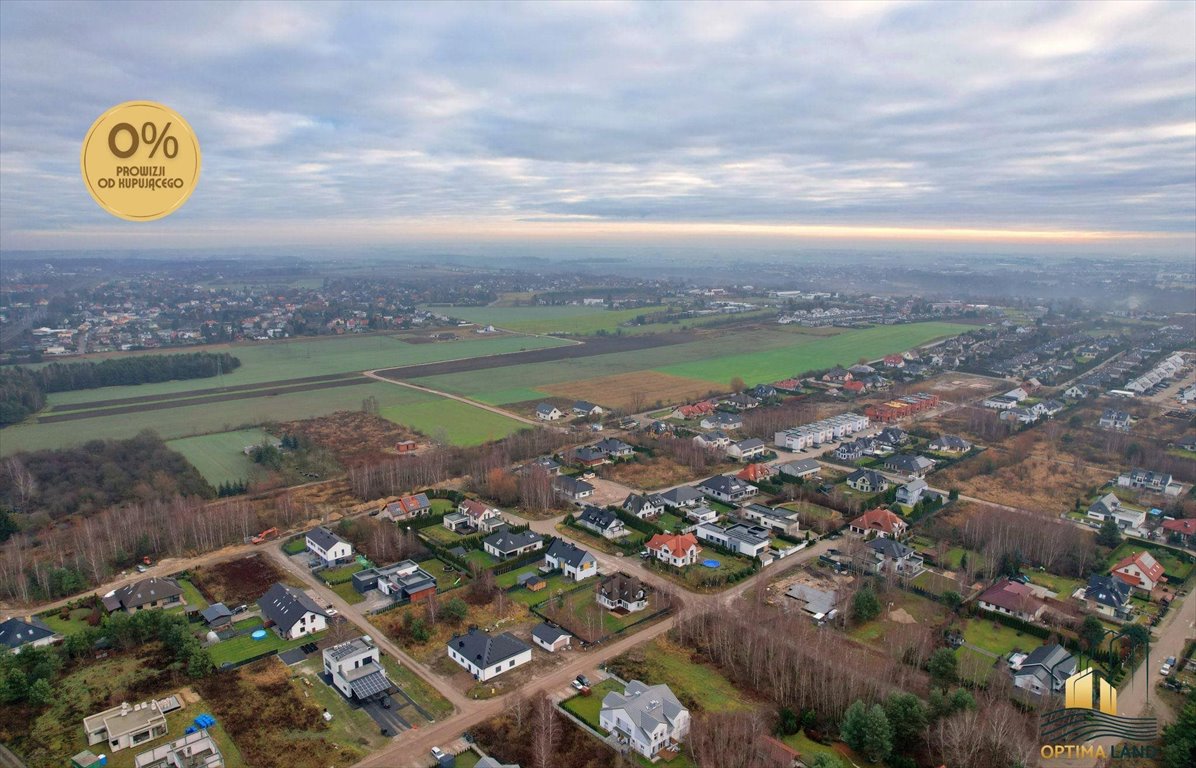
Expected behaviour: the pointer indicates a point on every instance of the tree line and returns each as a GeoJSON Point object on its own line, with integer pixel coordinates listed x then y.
{"type": "Point", "coordinates": [23, 390]}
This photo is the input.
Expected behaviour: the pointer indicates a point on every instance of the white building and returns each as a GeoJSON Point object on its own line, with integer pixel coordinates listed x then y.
{"type": "Point", "coordinates": [575, 562]}
{"type": "Point", "coordinates": [744, 540]}
{"type": "Point", "coordinates": [356, 669]}
{"type": "Point", "coordinates": [645, 718]}
{"type": "Point", "coordinates": [126, 726]}
{"type": "Point", "coordinates": [485, 656]}
{"type": "Point", "coordinates": [327, 546]}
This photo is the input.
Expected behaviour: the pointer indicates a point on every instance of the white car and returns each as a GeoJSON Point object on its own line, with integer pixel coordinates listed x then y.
{"type": "Point", "coordinates": [438, 753]}
{"type": "Point", "coordinates": [331, 611]}
{"type": "Point", "coordinates": [1165, 669]}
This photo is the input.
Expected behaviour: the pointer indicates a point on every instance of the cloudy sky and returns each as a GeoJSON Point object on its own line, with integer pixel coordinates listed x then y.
{"type": "Point", "coordinates": [1051, 123]}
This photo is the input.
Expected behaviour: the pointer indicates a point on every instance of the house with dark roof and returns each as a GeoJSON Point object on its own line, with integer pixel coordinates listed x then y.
{"type": "Point", "coordinates": [551, 637]}
{"type": "Point", "coordinates": [1109, 596]}
{"type": "Point", "coordinates": [891, 556]}
{"type": "Point", "coordinates": [145, 594]}
{"type": "Point", "coordinates": [291, 612]}
{"type": "Point", "coordinates": [407, 507]}
{"type": "Point", "coordinates": [867, 481]}
{"type": "Point", "coordinates": [647, 718]}
{"type": "Point", "coordinates": [505, 543]}
{"type": "Point", "coordinates": [586, 408]}
{"type": "Point", "coordinates": [909, 464]}
{"type": "Point", "coordinates": [572, 488]}
{"type": "Point", "coordinates": [216, 615]}
{"type": "Point", "coordinates": [614, 448]}
{"type": "Point", "coordinates": [621, 592]}
{"type": "Point", "coordinates": [776, 519]}
{"type": "Point", "coordinates": [404, 580]}
{"type": "Point", "coordinates": [950, 444]}
{"type": "Point", "coordinates": [575, 562]}
{"type": "Point", "coordinates": [477, 515]}
{"type": "Point", "coordinates": [800, 468]}
{"type": "Point", "coordinates": [741, 400]}
{"type": "Point", "coordinates": [1012, 598]}
{"type": "Point", "coordinates": [548, 412]}
{"type": "Point", "coordinates": [644, 505]}
{"type": "Point", "coordinates": [589, 456]}
{"type": "Point", "coordinates": [749, 541]}
{"type": "Point", "coordinates": [601, 521]}
{"type": "Point", "coordinates": [487, 656]}
{"type": "Point", "coordinates": [550, 465]}
{"type": "Point", "coordinates": [326, 545]}
{"type": "Point", "coordinates": [721, 420]}
{"type": "Point", "coordinates": [911, 493]}
{"type": "Point", "coordinates": [746, 450]}
{"type": "Point", "coordinates": [727, 488]}
{"type": "Point", "coordinates": [1045, 670]}
{"type": "Point", "coordinates": [682, 496]}
{"type": "Point", "coordinates": [17, 634]}
{"type": "Point", "coordinates": [715, 438]}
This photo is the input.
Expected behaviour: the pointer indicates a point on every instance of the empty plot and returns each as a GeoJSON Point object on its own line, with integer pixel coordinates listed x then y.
{"type": "Point", "coordinates": [575, 319]}
{"type": "Point", "coordinates": [220, 457]}
{"type": "Point", "coordinates": [629, 391]}
{"type": "Point", "coordinates": [452, 421]}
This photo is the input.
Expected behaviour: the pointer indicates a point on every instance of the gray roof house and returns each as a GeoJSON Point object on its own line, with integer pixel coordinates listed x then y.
{"type": "Point", "coordinates": [727, 488]}
{"type": "Point", "coordinates": [647, 718]}
{"type": "Point", "coordinates": [504, 542]}
{"type": "Point", "coordinates": [574, 561]}
{"type": "Point", "coordinates": [800, 468]}
{"type": "Point", "coordinates": [486, 656]}
{"type": "Point", "coordinates": [890, 555]}
{"type": "Point", "coordinates": [950, 444]}
{"type": "Point", "coordinates": [16, 634]}
{"type": "Point", "coordinates": [292, 612]}
{"type": "Point", "coordinates": [216, 615]}
{"type": "Point", "coordinates": [549, 637]}
{"type": "Point", "coordinates": [821, 604]}
{"type": "Point", "coordinates": [1108, 595]}
{"type": "Point", "coordinates": [867, 481]}
{"type": "Point", "coordinates": [644, 504]}
{"type": "Point", "coordinates": [682, 496]}
{"type": "Point", "coordinates": [572, 487]}
{"type": "Point", "coordinates": [909, 464]}
{"type": "Point", "coordinates": [141, 595]}
{"type": "Point", "coordinates": [601, 520]}
{"type": "Point", "coordinates": [1045, 670]}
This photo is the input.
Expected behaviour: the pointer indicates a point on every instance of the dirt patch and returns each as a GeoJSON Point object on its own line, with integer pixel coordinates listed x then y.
{"type": "Point", "coordinates": [353, 437]}
{"type": "Point", "coordinates": [660, 472]}
{"type": "Point", "coordinates": [236, 581]}
{"type": "Point", "coordinates": [902, 616]}
{"type": "Point", "coordinates": [632, 392]}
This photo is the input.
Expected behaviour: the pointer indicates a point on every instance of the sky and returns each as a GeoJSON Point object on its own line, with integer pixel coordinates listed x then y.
{"type": "Point", "coordinates": [1058, 125]}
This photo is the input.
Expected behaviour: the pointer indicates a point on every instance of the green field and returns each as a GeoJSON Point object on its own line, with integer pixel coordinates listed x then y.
{"type": "Point", "coordinates": [245, 647]}
{"type": "Point", "coordinates": [998, 638]}
{"type": "Point", "coordinates": [453, 421]}
{"type": "Point", "coordinates": [573, 319]}
{"type": "Point", "coordinates": [586, 708]}
{"type": "Point", "coordinates": [220, 457]}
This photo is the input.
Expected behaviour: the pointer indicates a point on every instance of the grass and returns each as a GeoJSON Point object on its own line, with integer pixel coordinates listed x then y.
{"type": "Point", "coordinates": [340, 575]}
{"type": "Point", "coordinates": [923, 610]}
{"type": "Point", "coordinates": [295, 546]}
{"type": "Point", "coordinates": [76, 621]}
{"type": "Point", "coordinates": [579, 611]}
{"type": "Point", "coordinates": [348, 593]}
{"type": "Point", "coordinates": [467, 759]}
{"type": "Point", "coordinates": [481, 558]}
{"type": "Point", "coordinates": [245, 647]}
{"type": "Point", "coordinates": [220, 457]}
{"type": "Point", "coordinates": [191, 595]}
{"type": "Point", "coordinates": [415, 687]}
{"type": "Point", "coordinates": [809, 749]}
{"type": "Point", "coordinates": [453, 421]}
{"type": "Point", "coordinates": [670, 521]}
{"type": "Point", "coordinates": [439, 533]}
{"type": "Point", "coordinates": [555, 583]}
{"type": "Point", "coordinates": [574, 319]}
{"type": "Point", "coordinates": [587, 708]}
{"type": "Point", "coordinates": [936, 583]}
{"type": "Point", "coordinates": [1060, 585]}
{"type": "Point", "coordinates": [998, 638]}
{"type": "Point", "coordinates": [350, 725]}
{"type": "Point", "coordinates": [689, 681]}
{"type": "Point", "coordinates": [444, 578]}
{"type": "Point", "coordinates": [973, 665]}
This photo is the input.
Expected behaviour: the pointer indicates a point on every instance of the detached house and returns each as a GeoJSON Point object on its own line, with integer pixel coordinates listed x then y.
{"type": "Point", "coordinates": [485, 656]}
{"type": "Point", "coordinates": [1108, 595]}
{"type": "Point", "coordinates": [474, 515]}
{"type": "Point", "coordinates": [1184, 529]}
{"type": "Point", "coordinates": [644, 505]}
{"type": "Point", "coordinates": [727, 488]}
{"type": "Point", "coordinates": [572, 488]}
{"type": "Point", "coordinates": [750, 541]}
{"type": "Point", "coordinates": [124, 726]}
{"type": "Point", "coordinates": [1116, 420]}
{"type": "Point", "coordinates": [676, 549]}
{"type": "Point", "coordinates": [683, 496]}
{"type": "Point", "coordinates": [550, 637]}
{"type": "Point", "coordinates": [950, 444]}
{"type": "Point", "coordinates": [1140, 570]}
{"type": "Point", "coordinates": [356, 669]}
{"type": "Point", "coordinates": [407, 507]}
{"type": "Point", "coordinates": [1153, 482]}
{"type": "Point", "coordinates": [746, 450]}
{"type": "Point", "coordinates": [713, 439]}
{"type": "Point", "coordinates": [548, 412]}
{"type": "Point", "coordinates": [291, 612]}
{"type": "Point", "coordinates": [585, 408]}
{"type": "Point", "coordinates": [867, 481]}
{"type": "Point", "coordinates": [144, 595]}
{"type": "Point", "coordinates": [575, 562]}
{"type": "Point", "coordinates": [802, 468]}
{"type": "Point", "coordinates": [505, 543]}
{"type": "Point", "coordinates": [620, 592]}
{"type": "Point", "coordinates": [327, 546]}
{"type": "Point", "coordinates": [909, 464]}
{"type": "Point", "coordinates": [911, 493]}
{"type": "Point", "coordinates": [879, 521]}
{"type": "Point", "coordinates": [1012, 599]}
{"type": "Point", "coordinates": [721, 420]}
{"type": "Point", "coordinates": [17, 634]}
{"type": "Point", "coordinates": [646, 718]}
{"type": "Point", "coordinates": [778, 519]}
{"type": "Point", "coordinates": [615, 449]}
{"type": "Point", "coordinates": [891, 556]}
{"type": "Point", "coordinates": [602, 521]}
{"type": "Point", "coordinates": [1045, 670]}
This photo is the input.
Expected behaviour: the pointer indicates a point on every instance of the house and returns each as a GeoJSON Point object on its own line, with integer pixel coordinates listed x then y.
{"type": "Point", "coordinates": [693, 411]}
{"type": "Point", "coordinates": [838, 375]}
{"type": "Point", "coordinates": [909, 464]}
{"type": "Point", "coordinates": [851, 451]}
{"type": "Point", "coordinates": [124, 726]}
{"type": "Point", "coordinates": [647, 718]}
{"type": "Point", "coordinates": [1050, 407]}
{"type": "Point", "coordinates": [1108, 595]}
{"type": "Point", "coordinates": [327, 546]}
{"type": "Point", "coordinates": [601, 521]}
{"type": "Point", "coordinates": [356, 669]}
{"type": "Point", "coordinates": [682, 496]}
{"type": "Point", "coordinates": [216, 616]}
{"type": "Point", "coordinates": [762, 392]}
{"type": "Point", "coordinates": [620, 592]}
{"type": "Point", "coordinates": [911, 493]}
{"type": "Point", "coordinates": [741, 400]}
{"type": "Point", "coordinates": [1153, 482]}
{"type": "Point", "coordinates": [505, 543]}
{"type": "Point", "coordinates": [549, 465]}
{"type": "Point", "coordinates": [700, 514]}
{"type": "Point", "coordinates": [1183, 529]}
{"type": "Point", "coordinates": [644, 505]}
{"type": "Point", "coordinates": [750, 541]}
{"type": "Point", "coordinates": [589, 456]}
{"type": "Point", "coordinates": [548, 412]}
{"type": "Point", "coordinates": [854, 387]}
{"type": "Point", "coordinates": [292, 612]}
{"type": "Point", "coordinates": [801, 468]}
{"type": "Point", "coordinates": [867, 481]}
{"type": "Point", "coordinates": [676, 549]}
{"type": "Point", "coordinates": [787, 385]}
{"type": "Point", "coordinates": [572, 488]}
{"type": "Point", "coordinates": [1140, 570]}
{"type": "Point", "coordinates": [880, 521]}
{"type": "Point", "coordinates": [194, 750]}
{"type": "Point", "coordinates": [551, 638]}
{"type": "Point", "coordinates": [1115, 420]}
{"type": "Point", "coordinates": [821, 604]}
{"type": "Point", "coordinates": [661, 428]}
{"type": "Point", "coordinates": [894, 361]}
{"type": "Point", "coordinates": [746, 450]}
{"type": "Point", "coordinates": [615, 449]}
{"type": "Point", "coordinates": [404, 580]}
{"type": "Point", "coordinates": [1000, 403]}
{"type": "Point", "coordinates": [1012, 598]}
{"type": "Point", "coordinates": [756, 472]}
{"type": "Point", "coordinates": [715, 438]}
{"type": "Point", "coordinates": [407, 507]}
{"type": "Point", "coordinates": [893, 436]}
{"type": "Point", "coordinates": [721, 420]}
{"type": "Point", "coordinates": [479, 515]}
{"type": "Point", "coordinates": [777, 520]}
{"type": "Point", "coordinates": [950, 444]}
{"type": "Point", "coordinates": [727, 488]}
{"type": "Point", "coordinates": [572, 560]}
{"type": "Point", "coordinates": [143, 595]}
{"type": "Point", "coordinates": [1020, 415]}
{"type": "Point", "coordinates": [485, 656]}
{"type": "Point", "coordinates": [18, 634]}
{"type": "Point", "coordinates": [585, 408]}
{"type": "Point", "coordinates": [891, 556]}
{"type": "Point", "coordinates": [1045, 670]}
{"type": "Point", "coordinates": [1105, 506]}
{"type": "Point", "coordinates": [1075, 392]}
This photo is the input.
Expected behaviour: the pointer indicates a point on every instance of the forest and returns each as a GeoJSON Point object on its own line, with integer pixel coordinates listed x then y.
{"type": "Point", "coordinates": [22, 390]}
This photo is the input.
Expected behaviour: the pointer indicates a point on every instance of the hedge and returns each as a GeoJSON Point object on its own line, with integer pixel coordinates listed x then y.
{"type": "Point", "coordinates": [636, 523]}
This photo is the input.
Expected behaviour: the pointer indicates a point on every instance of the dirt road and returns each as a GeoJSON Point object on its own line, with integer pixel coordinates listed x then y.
{"type": "Point", "coordinates": [485, 407]}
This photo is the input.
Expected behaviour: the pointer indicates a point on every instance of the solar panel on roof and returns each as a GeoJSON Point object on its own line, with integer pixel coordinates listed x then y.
{"type": "Point", "coordinates": [370, 685]}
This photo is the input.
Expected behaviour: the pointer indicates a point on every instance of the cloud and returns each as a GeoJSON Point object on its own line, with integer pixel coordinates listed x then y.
{"type": "Point", "coordinates": [1026, 117]}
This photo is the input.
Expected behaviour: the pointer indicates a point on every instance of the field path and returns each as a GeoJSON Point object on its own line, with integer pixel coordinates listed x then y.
{"type": "Point", "coordinates": [485, 407]}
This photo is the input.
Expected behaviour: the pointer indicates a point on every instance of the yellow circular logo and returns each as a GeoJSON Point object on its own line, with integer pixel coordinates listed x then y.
{"type": "Point", "coordinates": [140, 161]}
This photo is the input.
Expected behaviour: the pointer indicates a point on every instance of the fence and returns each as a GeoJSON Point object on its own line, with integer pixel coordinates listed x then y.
{"type": "Point", "coordinates": [535, 609]}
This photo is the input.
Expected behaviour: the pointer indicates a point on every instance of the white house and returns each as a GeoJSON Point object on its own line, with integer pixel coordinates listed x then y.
{"type": "Point", "coordinates": [1140, 570]}
{"type": "Point", "coordinates": [676, 549]}
{"type": "Point", "coordinates": [356, 669]}
{"type": "Point", "coordinates": [485, 656]}
{"type": "Point", "coordinates": [644, 505]}
{"type": "Point", "coordinates": [576, 563]}
{"type": "Point", "coordinates": [126, 726]}
{"type": "Point", "coordinates": [1044, 671]}
{"type": "Point", "coordinates": [327, 546]}
{"type": "Point", "coordinates": [291, 612]}
{"type": "Point", "coordinates": [646, 718]}
{"type": "Point", "coordinates": [748, 449]}
{"type": "Point", "coordinates": [745, 540]}
{"type": "Point", "coordinates": [551, 638]}
{"type": "Point", "coordinates": [548, 412]}
{"type": "Point", "coordinates": [911, 493]}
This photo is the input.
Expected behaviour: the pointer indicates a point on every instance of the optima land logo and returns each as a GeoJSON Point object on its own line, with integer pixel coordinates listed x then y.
{"type": "Point", "coordinates": [1090, 712]}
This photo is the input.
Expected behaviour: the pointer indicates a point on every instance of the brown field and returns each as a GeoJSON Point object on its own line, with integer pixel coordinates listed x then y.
{"type": "Point", "coordinates": [660, 472]}
{"type": "Point", "coordinates": [353, 437]}
{"type": "Point", "coordinates": [234, 582]}
{"type": "Point", "coordinates": [1038, 479]}
{"type": "Point", "coordinates": [626, 391]}
{"type": "Point", "coordinates": [961, 386]}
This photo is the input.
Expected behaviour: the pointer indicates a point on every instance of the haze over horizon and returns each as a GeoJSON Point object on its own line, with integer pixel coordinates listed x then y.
{"type": "Point", "coordinates": [1062, 127]}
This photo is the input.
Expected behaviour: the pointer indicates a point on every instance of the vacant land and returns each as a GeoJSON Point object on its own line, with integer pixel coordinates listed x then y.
{"type": "Point", "coordinates": [352, 436]}
{"type": "Point", "coordinates": [580, 613]}
{"type": "Point", "coordinates": [220, 457]}
{"type": "Point", "coordinates": [573, 319]}
{"type": "Point", "coordinates": [452, 421]}
{"type": "Point", "coordinates": [659, 472]}
{"type": "Point", "coordinates": [630, 391]}
{"type": "Point", "coordinates": [698, 686]}
{"type": "Point", "coordinates": [237, 582]}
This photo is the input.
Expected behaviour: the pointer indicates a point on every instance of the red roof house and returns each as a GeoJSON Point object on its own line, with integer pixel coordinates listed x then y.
{"type": "Point", "coordinates": [755, 473]}
{"type": "Point", "coordinates": [677, 549]}
{"type": "Point", "coordinates": [1185, 527]}
{"type": "Point", "coordinates": [1013, 599]}
{"type": "Point", "coordinates": [1139, 570]}
{"type": "Point", "coordinates": [881, 521]}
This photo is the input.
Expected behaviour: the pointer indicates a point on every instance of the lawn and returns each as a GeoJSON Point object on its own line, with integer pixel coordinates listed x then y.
{"type": "Point", "coordinates": [220, 457]}
{"type": "Point", "coordinates": [466, 759]}
{"type": "Point", "coordinates": [998, 638]}
{"type": "Point", "coordinates": [574, 319]}
{"type": "Point", "coordinates": [936, 583]}
{"type": "Point", "coordinates": [191, 594]}
{"type": "Point", "coordinates": [670, 522]}
{"type": "Point", "coordinates": [586, 708]}
{"type": "Point", "coordinates": [350, 725]}
{"type": "Point", "coordinates": [555, 583]}
{"type": "Point", "coordinates": [245, 647]}
{"type": "Point", "coordinates": [453, 421]}
{"type": "Point", "coordinates": [481, 558]}
{"type": "Point", "coordinates": [76, 621]}
{"type": "Point", "coordinates": [579, 612]}
{"type": "Point", "coordinates": [440, 534]}
{"type": "Point", "coordinates": [662, 662]}
{"type": "Point", "coordinates": [445, 579]}
{"type": "Point", "coordinates": [342, 574]}
{"type": "Point", "coordinates": [295, 546]}
{"type": "Point", "coordinates": [1060, 585]}
{"type": "Point", "coordinates": [1169, 559]}
{"type": "Point", "coordinates": [415, 687]}
{"type": "Point", "coordinates": [922, 609]}
{"type": "Point", "coordinates": [973, 665]}
{"type": "Point", "coordinates": [348, 593]}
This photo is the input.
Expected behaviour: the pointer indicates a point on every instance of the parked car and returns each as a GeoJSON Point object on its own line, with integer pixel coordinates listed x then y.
{"type": "Point", "coordinates": [386, 702]}
{"type": "Point", "coordinates": [438, 753]}
{"type": "Point", "coordinates": [331, 611]}
{"type": "Point", "coordinates": [583, 679]}
{"type": "Point", "coordinates": [241, 609]}
{"type": "Point", "coordinates": [1165, 669]}
{"type": "Point", "coordinates": [142, 569]}
{"type": "Point", "coordinates": [577, 686]}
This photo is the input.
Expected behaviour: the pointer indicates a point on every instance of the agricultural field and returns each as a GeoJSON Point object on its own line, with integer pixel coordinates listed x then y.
{"type": "Point", "coordinates": [630, 391]}
{"type": "Point", "coordinates": [572, 319]}
{"type": "Point", "coordinates": [452, 421]}
{"type": "Point", "coordinates": [220, 457]}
